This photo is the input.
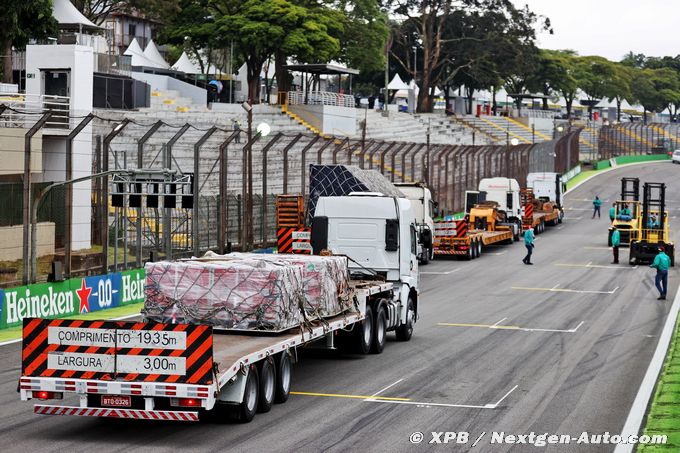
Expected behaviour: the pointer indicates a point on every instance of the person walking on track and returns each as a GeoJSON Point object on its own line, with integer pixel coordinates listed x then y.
{"type": "Point", "coordinates": [616, 241]}
{"type": "Point", "coordinates": [529, 244]}
{"type": "Point", "coordinates": [661, 263]}
{"type": "Point", "coordinates": [596, 206]}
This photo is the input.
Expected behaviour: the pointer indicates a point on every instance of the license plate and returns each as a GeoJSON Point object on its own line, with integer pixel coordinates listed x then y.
{"type": "Point", "coordinates": [116, 401]}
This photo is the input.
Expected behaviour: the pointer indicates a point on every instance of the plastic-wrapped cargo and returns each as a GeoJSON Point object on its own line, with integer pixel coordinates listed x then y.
{"type": "Point", "coordinates": [340, 180]}
{"type": "Point", "coordinates": [247, 291]}
{"type": "Point", "coordinates": [325, 280]}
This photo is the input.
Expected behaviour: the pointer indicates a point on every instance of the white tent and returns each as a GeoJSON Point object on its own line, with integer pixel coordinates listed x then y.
{"type": "Point", "coordinates": [135, 51]}
{"type": "Point", "coordinates": [185, 65]}
{"type": "Point", "coordinates": [152, 54]}
{"type": "Point", "coordinates": [397, 83]}
{"type": "Point", "coordinates": [69, 17]}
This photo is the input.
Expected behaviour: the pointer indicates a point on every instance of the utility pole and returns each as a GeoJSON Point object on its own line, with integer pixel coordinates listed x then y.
{"type": "Point", "coordinates": [249, 203]}
{"type": "Point", "coordinates": [427, 150]}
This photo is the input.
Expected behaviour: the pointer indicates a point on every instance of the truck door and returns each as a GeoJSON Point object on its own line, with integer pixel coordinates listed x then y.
{"type": "Point", "coordinates": [413, 272]}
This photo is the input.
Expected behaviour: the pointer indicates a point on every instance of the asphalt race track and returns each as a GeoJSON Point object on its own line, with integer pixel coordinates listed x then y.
{"type": "Point", "coordinates": [558, 347]}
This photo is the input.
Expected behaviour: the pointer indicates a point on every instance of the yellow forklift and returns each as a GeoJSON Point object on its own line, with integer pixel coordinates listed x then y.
{"type": "Point", "coordinates": [627, 212]}
{"type": "Point", "coordinates": [654, 233]}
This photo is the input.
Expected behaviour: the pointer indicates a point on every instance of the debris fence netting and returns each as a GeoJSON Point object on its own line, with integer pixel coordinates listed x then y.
{"type": "Point", "coordinates": [246, 291]}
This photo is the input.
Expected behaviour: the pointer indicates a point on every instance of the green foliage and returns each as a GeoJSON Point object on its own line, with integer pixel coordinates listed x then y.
{"type": "Point", "coordinates": [21, 20]}
{"type": "Point", "coordinates": [655, 89]}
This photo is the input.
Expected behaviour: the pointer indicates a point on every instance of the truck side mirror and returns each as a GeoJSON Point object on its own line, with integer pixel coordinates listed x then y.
{"type": "Point", "coordinates": [319, 238]}
{"type": "Point", "coordinates": [391, 235]}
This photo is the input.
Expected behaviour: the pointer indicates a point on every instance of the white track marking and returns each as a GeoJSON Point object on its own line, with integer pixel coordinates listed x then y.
{"type": "Point", "coordinates": [383, 390]}
{"type": "Point", "coordinates": [563, 290]}
{"type": "Point", "coordinates": [499, 322]}
{"type": "Point", "coordinates": [464, 406]}
{"type": "Point", "coordinates": [598, 266]}
{"type": "Point", "coordinates": [513, 328]}
{"type": "Point", "coordinates": [441, 273]}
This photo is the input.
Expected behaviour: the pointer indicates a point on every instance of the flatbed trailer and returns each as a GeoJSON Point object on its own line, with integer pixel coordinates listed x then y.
{"type": "Point", "coordinates": [468, 244]}
{"type": "Point", "coordinates": [155, 371]}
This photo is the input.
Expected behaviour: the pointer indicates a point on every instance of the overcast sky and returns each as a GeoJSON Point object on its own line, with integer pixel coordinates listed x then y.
{"type": "Point", "coordinates": [610, 28]}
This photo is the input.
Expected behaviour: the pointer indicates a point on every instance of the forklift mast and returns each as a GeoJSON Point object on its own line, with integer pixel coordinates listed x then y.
{"type": "Point", "coordinates": [654, 201]}
{"type": "Point", "coordinates": [630, 189]}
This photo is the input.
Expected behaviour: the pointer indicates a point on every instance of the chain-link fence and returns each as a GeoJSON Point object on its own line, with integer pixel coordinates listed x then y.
{"type": "Point", "coordinates": [627, 139]}
{"type": "Point", "coordinates": [229, 210]}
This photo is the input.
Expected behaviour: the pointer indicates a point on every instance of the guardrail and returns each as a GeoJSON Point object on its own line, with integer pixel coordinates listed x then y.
{"type": "Point", "coordinates": [320, 98]}
{"type": "Point", "coordinates": [530, 113]}
{"type": "Point", "coordinates": [29, 106]}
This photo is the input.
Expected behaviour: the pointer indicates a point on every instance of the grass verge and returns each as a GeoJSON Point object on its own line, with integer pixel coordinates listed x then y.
{"type": "Point", "coordinates": [14, 333]}
{"type": "Point", "coordinates": [663, 417]}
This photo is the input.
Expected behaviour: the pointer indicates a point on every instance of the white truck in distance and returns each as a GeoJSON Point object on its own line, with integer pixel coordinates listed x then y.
{"type": "Point", "coordinates": [423, 209]}
{"type": "Point", "coordinates": [547, 186]}
{"type": "Point", "coordinates": [505, 192]}
{"type": "Point", "coordinates": [243, 373]}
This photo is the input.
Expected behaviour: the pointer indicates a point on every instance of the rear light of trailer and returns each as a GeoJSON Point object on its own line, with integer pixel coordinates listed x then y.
{"type": "Point", "coordinates": [185, 402]}
{"type": "Point", "coordinates": [43, 395]}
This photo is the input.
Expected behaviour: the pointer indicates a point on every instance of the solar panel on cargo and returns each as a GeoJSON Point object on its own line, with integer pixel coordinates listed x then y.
{"type": "Point", "coordinates": [340, 180]}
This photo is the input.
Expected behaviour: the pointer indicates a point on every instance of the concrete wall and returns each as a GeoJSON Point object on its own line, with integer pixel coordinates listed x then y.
{"type": "Point", "coordinates": [11, 240]}
{"type": "Point", "coordinates": [329, 119]}
{"type": "Point", "coordinates": [164, 83]}
{"type": "Point", "coordinates": [80, 61]}
{"type": "Point", "coordinates": [12, 146]}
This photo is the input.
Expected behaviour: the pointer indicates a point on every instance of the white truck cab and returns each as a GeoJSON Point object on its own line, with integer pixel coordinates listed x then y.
{"type": "Point", "coordinates": [547, 185]}
{"type": "Point", "coordinates": [423, 210]}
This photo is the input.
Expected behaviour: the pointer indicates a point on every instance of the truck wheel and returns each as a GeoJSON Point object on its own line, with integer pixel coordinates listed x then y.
{"type": "Point", "coordinates": [284, 372]}
{"type": "Point", "coordinates": [248, 407]}
{"type": "Point", "coordinates": [364, 333]}
{"type": "Point", "coordinates": [379, 331]}
{"type": "Point", "coordinates": [479, 249]}
{"type": "Point", "coordinates": [425, 257]}
{"type": "Point", "coordinates": [405, 331]}
{"type": "Point", "coordinates": [267, 386]}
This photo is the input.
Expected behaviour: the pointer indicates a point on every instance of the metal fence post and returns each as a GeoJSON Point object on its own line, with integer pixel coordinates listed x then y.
{"type": "Point", "coordinates": [382, 156]}
{"type": "Point", "coordinates": [337, 148]}
{"type": "Point", "coordinates": [224, 216]}
{"type": "Point", "coordinates": [303, 159]}
{"type": "Point", "coordinates": [28, 196]}
{"type": "Point", "coordinates": [167, 212]}
{"type": "Point", "coordinates": [197, 197]}
{"type": "Point", "coordinates": [265, 149]}
{"type": "Point", "coordinates": [285, 160]}
{"type": "Point", "coordinates": [68, 215]}
{"type": "Point", "coordinates": [140, 165]}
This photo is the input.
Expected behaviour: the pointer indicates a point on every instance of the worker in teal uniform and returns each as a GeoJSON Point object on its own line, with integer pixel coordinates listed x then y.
{"type": "Point", "coordinates": [661, 263]}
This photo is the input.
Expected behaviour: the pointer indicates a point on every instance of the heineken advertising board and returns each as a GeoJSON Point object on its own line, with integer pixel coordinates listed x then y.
{"type": "Point", "coordinates": [70, 297]}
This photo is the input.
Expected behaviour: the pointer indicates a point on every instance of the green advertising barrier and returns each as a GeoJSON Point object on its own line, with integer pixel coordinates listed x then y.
{"type": "Point", "coordinates": [71, 297]}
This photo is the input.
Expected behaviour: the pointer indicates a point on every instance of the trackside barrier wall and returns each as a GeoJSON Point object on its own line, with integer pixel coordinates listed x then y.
{"type": "Point", "coordinates": [70, 297]}
{"type": "Point", "coordinates": [623, 160]}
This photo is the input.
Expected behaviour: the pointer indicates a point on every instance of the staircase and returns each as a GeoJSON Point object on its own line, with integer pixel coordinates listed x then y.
{"type": "Point", "coordinates": [502, 129]}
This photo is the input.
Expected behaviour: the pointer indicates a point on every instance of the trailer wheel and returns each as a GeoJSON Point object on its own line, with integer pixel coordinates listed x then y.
{"type": "Point", "coordinates": [365, 332]}
{"type": "Point", "coordinates": [479, 248]}
{"type": "Point", "coordinates": [248, 407]}
{"type": "Point", "coordinates": [405, 331]}
{"type": "Point", "coordinates": [379, 331]}
{"type": "Point", "coordinates": [284, 372]}
{"type": "Point", "coordinates": [267, 388]}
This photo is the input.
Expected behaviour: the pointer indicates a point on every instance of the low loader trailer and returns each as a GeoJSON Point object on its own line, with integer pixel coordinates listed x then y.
{"type": "Point", "coordinates": [185, 371]}
{"type": "Point", "coordinates": [456, 239]}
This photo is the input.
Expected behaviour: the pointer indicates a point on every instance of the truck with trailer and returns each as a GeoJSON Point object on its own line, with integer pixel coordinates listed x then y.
{"type": "Point", "coordinates": [654, 233]}
{"type": "Point", "coordinates": [467, 238]}
{"type": "Point", "coordinates": [505, 192]}
{"type": "Point", "coordinates": [178, 371]}
{"type": "Point", "coordinates": [537, 213]}
{"type": "Point", "coordinates": [548, 192]}
{"type": "Point", "coordinates": [424, 209]}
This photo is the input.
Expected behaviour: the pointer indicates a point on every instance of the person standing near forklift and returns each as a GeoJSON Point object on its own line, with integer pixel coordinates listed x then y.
{"type": "Point", "coordinates": [612, 212]}
{"type": "Point", "coordinates": [616, 241]}
{"type": "Point", "coordinates": [661, 263]}
{"type": "Point", "coordinates": [596, 206]}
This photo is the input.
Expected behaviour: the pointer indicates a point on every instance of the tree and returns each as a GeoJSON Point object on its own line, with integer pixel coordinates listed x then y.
{"type": "Point", "coordinates": [634, 60]}
{"type": "Point", "coordinates": [21, 20]}
{"type": "Point", "coordinates": [549, 74]}
{"type": "Point", "coordinates": [594, 79]}
{"type": "Point", "coordinates": [655, 89]}
{"type": "Point", "coordinates": [261, 28]}
{"type": "Point", "coordinates": [620, 86]}
{"type": "Point", "coordinates": [452, 35]}
{"type": "Point", "coordinates": [566, 85]}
